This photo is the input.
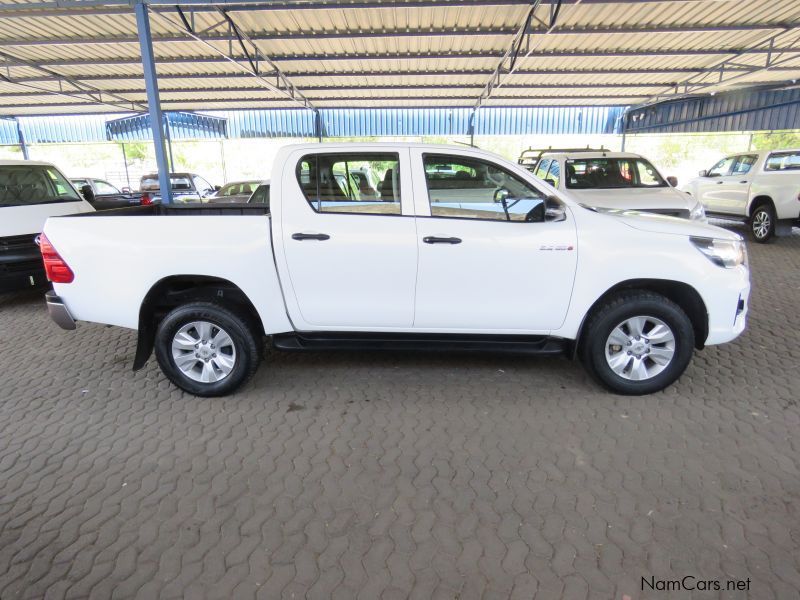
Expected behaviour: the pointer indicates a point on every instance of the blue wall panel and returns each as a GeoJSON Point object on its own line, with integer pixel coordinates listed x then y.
{"type": "Point", "coordinates": [762, 110]}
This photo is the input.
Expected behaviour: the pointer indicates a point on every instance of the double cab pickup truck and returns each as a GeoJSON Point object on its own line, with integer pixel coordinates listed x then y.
{"type": "Point", "coordinates": [759, 188]}
{"type": "Point", "coordinates": [456, 249]}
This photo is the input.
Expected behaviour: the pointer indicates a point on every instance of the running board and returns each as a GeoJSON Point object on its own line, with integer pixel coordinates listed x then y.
{"type": "Point", "coordinates": [420, 342]}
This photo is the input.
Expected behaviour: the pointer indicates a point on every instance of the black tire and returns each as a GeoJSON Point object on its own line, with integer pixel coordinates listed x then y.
{"type": "Point", "coordinates": [762, 213]}
{"type": "Point", "coordinates": [616, 310]}
{"type": "Point", "coordinates": [242, 331]}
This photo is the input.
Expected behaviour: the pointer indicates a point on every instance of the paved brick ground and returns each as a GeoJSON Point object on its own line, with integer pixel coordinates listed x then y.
{"type": "Point", "coordinates": [395, 475]}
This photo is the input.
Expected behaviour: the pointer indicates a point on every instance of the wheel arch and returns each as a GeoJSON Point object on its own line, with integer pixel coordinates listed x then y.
{"type": "Point", "coordinates": [758, 201]}
{"type": "Point", "coordinates": [172, 291]}
{"type": "Point", "coordinates": [680, 293]}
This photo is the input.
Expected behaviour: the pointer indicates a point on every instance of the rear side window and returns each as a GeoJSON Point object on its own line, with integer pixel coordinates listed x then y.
{"type": "Point", "coordinates": [354, 183]}
{"type": "Point", "coordinates": [783, 161]}
{"type": "Point", "coordinates": [24, 185]}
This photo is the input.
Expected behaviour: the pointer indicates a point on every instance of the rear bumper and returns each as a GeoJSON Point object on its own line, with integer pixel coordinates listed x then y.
{"type": "Point", "coordinates": [58, 311]}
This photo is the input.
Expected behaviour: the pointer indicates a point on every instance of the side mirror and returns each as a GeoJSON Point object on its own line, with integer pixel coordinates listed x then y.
{"type": "Point", "coordinates": [703, 173]}
{"type": "Point", "coordinates": [501, 195]}
{"type": "Point", "coordinates": [551, 182]}
{"type": "Point", "coordinates": [672, 180]}
{"type": "Point", "coordinates": [87, 192]}
{"type": "Point", "coordinates": [217, 188]}
{"type": "Point", "coordinates": [554, 210]}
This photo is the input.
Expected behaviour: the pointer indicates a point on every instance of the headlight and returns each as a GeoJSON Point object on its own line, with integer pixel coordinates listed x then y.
{"type": "Point", "coordinates": [725, 253]}
{"type": "Point", "coordinates": [698, 212]}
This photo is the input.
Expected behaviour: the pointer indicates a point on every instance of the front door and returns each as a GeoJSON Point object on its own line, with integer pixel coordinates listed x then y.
{"type": "Point", "coordinates": [713, 188]}
{"type": "Point", "coordinates": [348, 241]}
{"type": "Point", "coordinates": [493, 256]}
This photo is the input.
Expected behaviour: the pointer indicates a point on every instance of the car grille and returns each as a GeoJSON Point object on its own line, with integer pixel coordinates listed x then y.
{"type": "Point", "coordinates": [18, 243]}
{"type": "Point", "coordinates": [19, 254]}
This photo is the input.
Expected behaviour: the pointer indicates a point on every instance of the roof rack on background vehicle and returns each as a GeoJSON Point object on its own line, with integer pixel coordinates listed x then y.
{"type": "Point", "coordinates": [530, 158]}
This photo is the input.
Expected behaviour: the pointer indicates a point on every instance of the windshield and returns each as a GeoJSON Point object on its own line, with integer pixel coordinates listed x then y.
{"type": "Point", "coordinates": [606, 173]}
{"type": "Point", "coordinates": [25, 185]}
{"type": "Point", "coordinates": [178, 183]}
{"type": "Point", "coordinates": [236, 189]}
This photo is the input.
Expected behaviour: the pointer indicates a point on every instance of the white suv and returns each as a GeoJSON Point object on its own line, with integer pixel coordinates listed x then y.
{"type": "Point", "coordinates": [762, 188]}
{"type": "Point", "coordinates": [611, 180]}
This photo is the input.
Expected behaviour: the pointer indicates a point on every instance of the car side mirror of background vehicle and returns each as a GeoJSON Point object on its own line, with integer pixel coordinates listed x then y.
{"type": "Point", "coordinates": [87, 192]}
{"type": "Point", "coordinates": [217, 188]}
{"type": "Point", "coordinates": [551, 182]}
{"type": "Point", "coordinates": [672, 180]}
{"type": "Point", "coordinates": [703, 173]}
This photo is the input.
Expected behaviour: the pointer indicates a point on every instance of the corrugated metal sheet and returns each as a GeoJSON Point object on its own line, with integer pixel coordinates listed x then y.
{"type": "Point", "coordinates": [181, 126]}
{"type": "Point", "coordinates": [732, 111]}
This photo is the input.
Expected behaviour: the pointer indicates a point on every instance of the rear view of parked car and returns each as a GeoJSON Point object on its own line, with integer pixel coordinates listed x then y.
{"type": "Point", "coordinates": [102, 195]}
{"type": "Point", "coordinates": [30, 192]}
{"type": "Point", "coordinates": [186, 187]}
{"type": "Point", "coordinates": [235, 192]}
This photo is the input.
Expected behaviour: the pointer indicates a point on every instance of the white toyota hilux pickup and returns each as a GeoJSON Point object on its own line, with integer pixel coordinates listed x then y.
{"type": "Point", "coordinates": [450, 248]}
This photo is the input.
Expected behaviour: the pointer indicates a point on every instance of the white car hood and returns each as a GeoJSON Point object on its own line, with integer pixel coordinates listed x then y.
{"type": "Point", "coordinates": [633, 198]}
{"type": "Point", "coordinates": [663, 224]}
{"type": "Point", "coordinates": [20, 220]}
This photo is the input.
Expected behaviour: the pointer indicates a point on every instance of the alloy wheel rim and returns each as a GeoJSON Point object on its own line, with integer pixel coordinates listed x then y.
{"type": "Point", "coordinates": [639, 348]}
{"type": "Point", "coordinates": [204, 352]}
{"type": "Point", "coordinates": [761, 223]}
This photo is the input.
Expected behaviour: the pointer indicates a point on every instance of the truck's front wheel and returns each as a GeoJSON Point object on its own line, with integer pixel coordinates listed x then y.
{"type": "Point", "coordinates": [637, 342]}
{"type": "Point", "coordinates": [206, 349]}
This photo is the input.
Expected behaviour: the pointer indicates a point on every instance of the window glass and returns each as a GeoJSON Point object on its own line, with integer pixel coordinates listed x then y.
{"type": "Point", "coordinates": [181, 183]}
{"type": "Point", "coordinates": [462, 187]}
{"type": "Point", "coordinates": [201, 185]}
{"type": "Point", "coordinates": [261, 195]}
{"type": "Point", "coordinates": [103, 187]}
{"type": "Point", "coordinates": [541, 169]}
{"type": "Point", "coordinates": [722, 167]}
{"type": "Point", "coordinates": [608, 173]}
{"type": "Point", "coordinates": [554, 174]}
{"type": "Point", "coordinates": [79, 183]}
{"type": "Point", "coordinates": [26, 185]}
{"type": "Point", "coordinates": [743, 164]}
{"type": "Point", "coordinates": [361, 183]}
{"type": "Point", "coordinates": [783, 161]}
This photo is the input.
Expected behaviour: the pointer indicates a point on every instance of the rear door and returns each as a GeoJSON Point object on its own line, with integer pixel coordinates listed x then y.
{"type": "Point", "coordinates": [489, 262]}
{"type": "Point", "coordinates": [348, 260]}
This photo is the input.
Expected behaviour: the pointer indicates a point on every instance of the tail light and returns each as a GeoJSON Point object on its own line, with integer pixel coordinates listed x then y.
{"type": "Point", "coordinates": [56, 269]}
{"type": "Point", "coordinates": [146, 199]}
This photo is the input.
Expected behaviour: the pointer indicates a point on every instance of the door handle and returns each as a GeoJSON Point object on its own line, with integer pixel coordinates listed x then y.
{"type": "Point", "coordinates": [441, 240]}
{"type": "Point", "coordinates": [719, 183]}
{"type": "Point", "coordinates": [310, 236]}
{"type": "Point", "coordinates": [745, 181]}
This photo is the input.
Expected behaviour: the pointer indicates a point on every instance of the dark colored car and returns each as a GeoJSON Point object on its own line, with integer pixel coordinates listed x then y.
{"type": "Point", "coordinates": [103, 195]}
{"type": "Point", "coordinates": [186, 188]}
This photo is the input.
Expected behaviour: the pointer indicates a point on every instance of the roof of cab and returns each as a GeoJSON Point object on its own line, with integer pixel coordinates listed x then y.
{"type": "Point", "coordinates": [577, 155]}
{"type": "Point", "coordinates": [23, 163]}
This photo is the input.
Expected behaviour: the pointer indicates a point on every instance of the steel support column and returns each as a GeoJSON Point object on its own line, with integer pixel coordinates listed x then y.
{"type": "Point", "coordinates": [22, 145]}
{"type": "Point", "coordinates": [153, 101]}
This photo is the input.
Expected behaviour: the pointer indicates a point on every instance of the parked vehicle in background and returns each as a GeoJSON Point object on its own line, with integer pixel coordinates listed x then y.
{"type": "Point", "coordinates": [186, 187]}
{"type": "Point", "coordinates": [30, 192]}
{"type": "Point", "coordinates": [759, 188]}
{"type": "Point", "coordinates": [611, 180]}
{"type": "Point", "coordinates": [103, 195]}
{"type": "Point", "coordinates": [235, 192]}
{"type": "Point", "coordinates": [462, 250]}
{"type": "Point", "coordinates": [260, 195]}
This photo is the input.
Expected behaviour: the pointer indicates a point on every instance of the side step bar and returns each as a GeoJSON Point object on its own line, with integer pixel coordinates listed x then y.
{"type": "Point", "coordinates": [421, 342]}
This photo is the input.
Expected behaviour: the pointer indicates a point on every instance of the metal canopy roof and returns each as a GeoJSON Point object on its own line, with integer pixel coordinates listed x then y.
{"type": "Point", "coordinates": [84, 54]}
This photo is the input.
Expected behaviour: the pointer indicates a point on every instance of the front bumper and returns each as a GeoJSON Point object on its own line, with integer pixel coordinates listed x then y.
{"type": "Point", "coordinates": [58, 311]}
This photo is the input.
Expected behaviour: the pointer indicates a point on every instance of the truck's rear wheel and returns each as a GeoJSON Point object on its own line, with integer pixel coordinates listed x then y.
{"type": "Point", "coordinates": [206, 349]}
{"type": "Point", "coordinates": [637, 342]}
{"type": "Point", "coordinates": [762, 223]}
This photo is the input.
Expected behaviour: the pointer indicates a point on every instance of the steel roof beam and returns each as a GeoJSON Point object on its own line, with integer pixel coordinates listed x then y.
{"type": "Point", "coordinates": [432, 32]}
{"type": "Point", "coordinates": [135, 60]}
{"type": "Point", "coordinates": [414, 73]}
{"type": "Point", "coordinates": [56, 8]}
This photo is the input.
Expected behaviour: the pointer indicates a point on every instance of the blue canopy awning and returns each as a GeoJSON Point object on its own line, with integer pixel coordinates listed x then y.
{"type": "Point", "coordinates": [182, 125]}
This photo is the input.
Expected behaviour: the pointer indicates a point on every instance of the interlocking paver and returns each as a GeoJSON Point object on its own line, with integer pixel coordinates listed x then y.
{"type": "Point", "coordinates": [398, 475]}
